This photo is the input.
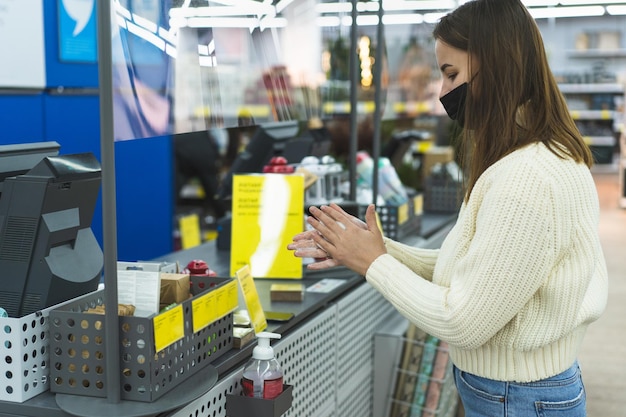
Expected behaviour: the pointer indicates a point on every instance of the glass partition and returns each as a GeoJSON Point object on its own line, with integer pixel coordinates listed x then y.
{"type": "Point", "coordinates": [193, 65]}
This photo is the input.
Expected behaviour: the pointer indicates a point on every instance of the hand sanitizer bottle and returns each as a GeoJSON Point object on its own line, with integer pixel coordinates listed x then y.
{"type": "Point", "coordinates": [262, 375]}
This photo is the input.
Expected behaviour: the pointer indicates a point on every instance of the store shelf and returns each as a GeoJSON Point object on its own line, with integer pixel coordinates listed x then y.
{"type": "Point", "coordinates": [593, 114]}
{"type": "Point", "coordinates": [600, 140]}
{"type": "Point", "coordinates": [597, 53]}
{"type": "Point", "coordinates": [592, 88]}
{"type": "Point", "coordinates": [597, 109]}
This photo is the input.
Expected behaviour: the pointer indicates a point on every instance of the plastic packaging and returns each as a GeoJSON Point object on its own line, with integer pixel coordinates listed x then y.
{"type": "Point", "coordinates": [262, 375]}
{"type": "Point", "coordinates": [390, 187]}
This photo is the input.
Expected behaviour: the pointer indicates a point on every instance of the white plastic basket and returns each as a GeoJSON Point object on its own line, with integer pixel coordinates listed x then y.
{"type": "Point", "coordinates": [25, 357]}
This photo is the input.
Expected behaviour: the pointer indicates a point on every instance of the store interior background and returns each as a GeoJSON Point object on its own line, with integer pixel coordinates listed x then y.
{"type": "Point", "coordinates": [219, 77]}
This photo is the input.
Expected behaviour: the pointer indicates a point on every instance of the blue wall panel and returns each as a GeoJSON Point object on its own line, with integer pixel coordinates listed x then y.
{"type": "Point", "coordinates": [21, 118]}
{"type": "Point", "coordinates": [145, 208]}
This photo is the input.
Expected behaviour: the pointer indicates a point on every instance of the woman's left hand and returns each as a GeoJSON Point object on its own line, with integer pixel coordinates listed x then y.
{"type": "Point", "coordinates": [344, 241]}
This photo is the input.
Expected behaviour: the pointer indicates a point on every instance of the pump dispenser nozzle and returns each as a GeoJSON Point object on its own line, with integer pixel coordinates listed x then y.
{"type": "Point", "coordinates": [263, 350]}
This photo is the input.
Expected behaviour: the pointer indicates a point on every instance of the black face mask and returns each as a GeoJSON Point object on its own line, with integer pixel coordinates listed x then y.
{"type": "Point", "coordinates": [454, 103]}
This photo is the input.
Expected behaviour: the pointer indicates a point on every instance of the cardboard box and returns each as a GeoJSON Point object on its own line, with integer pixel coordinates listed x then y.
{"type": "Point", "coordinates": [242, 336]}
{"type": "Point", "coordinates": [435, 155]}
{"type": "Point", "coordinates": [174, 288]}
{"type": "Point", "coordinates": [286, 292]}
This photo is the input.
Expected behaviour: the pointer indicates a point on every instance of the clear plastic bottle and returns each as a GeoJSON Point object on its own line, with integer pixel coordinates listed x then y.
{"type": "Point", "coordinates": [390, 188]}
{"type": "Point", "coordinates": [390, 185]}
{"type": "Point", "coordinates": [262, 375]}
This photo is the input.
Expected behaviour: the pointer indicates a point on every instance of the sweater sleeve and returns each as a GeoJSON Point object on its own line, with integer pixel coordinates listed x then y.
{"type": "Point", "coordinates": [506, 252]}
{"type": "Point", "coordinates": [420, 261]}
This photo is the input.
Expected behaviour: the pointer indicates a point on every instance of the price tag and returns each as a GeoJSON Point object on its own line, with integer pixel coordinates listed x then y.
{"type": "Point", "coordinates": [418, 204]}
{"type": "Point", "coordinates": [251, 297]}
{"type": "Point", "coordinates": [169, 327]}
{"type": "Point", "coordinates": [203, 311]}
{"type": "Point", "coordinates": [403, 213]}
{"type": "Point", "coordinates": [226, 298]}
{"type": "Point", "coordinates": [213, 305]}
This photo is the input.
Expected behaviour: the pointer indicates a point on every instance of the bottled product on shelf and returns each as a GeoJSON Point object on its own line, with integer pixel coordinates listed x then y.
{"type": "Point", "coordinates": [262, 375]}
{"type": "Point", "coordinates": [390, 187]}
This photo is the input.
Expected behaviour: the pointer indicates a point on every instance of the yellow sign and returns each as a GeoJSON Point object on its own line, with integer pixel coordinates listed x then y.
{"type": "Point", "coordinates": [169, 327]}
{"type": "Point", "coordinates": [418, 204]}
{"type": "Point", "coordinates": [213, 305]}
{"type": "Point", "coordinates": [251, 297]}
{"type": "Point", "coordinates": [190, 231]}
{"type": "Point", "coordinates": [403, 213]}
{"type": "Point", "coordinates": [267, 211]}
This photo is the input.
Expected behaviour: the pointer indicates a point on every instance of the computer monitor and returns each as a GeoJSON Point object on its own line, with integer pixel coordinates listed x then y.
{"type": "Point", "coordinates": [18, 159]}
{"type": "Point", "coordinates": [48, 253]}
{"type": "Point", "coordinates": [268, 141]}
{"type": "Point", "coordinates": [312, 142]}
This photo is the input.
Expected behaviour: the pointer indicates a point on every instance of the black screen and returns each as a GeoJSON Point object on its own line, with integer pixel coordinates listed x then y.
{"type": "Point", "coordinates": [268, 140]}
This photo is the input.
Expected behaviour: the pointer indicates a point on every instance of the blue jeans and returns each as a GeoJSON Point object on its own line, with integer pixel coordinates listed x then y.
{"type": "Point", "coordinates": [560, 395]}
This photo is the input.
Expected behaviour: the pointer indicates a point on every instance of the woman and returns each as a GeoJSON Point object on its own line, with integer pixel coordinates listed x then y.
{"type": "Point", "coordinates": [521, 274]}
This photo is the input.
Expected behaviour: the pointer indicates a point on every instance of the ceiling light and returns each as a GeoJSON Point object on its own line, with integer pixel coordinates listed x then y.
{"type": "Point", "coordinates": [540, 3]}
{"type": "Point", "coordinates": [556, 12]}
{"type": "Point", "coordinates": [433, 17]}
{"type": "Point", "coordinates": [581, 2]}
{"type": "Point", "coordinates": [333, 7]}
{"type": "Point", "coordinates": [396, 5]}
{"type": "Point", "coordinates": [616, 10]}
{"type": "Point", "coordinates": [367, 20]}
{"type": "Point", "coordinates": [222, 22]}
{"type": "Point", "coordinates": [251, 8]}
{"type": "Point", "coordinates": [403, 19]}
{"type": "Point", "coordinates": [371, 6]}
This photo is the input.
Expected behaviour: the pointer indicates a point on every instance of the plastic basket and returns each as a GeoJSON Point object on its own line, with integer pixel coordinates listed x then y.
{"type": "Point", "coordinates": [399, 221]}
{"type": "Point", "coordinates": [25, 360]}
{"type": "Point", "coordinates": [25, 367]}
{"type": "Point", "coordinates": [442, 195]}
{"type": "Point", "coordinates": [146, 373]}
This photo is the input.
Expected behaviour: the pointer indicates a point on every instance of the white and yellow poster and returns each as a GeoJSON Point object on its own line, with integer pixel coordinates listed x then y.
{"type": "Point", "coordinates": [267, 210]}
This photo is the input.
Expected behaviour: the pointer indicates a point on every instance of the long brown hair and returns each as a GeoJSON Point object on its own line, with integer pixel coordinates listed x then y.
{"type": "Point", "coordinates": [513, 99]}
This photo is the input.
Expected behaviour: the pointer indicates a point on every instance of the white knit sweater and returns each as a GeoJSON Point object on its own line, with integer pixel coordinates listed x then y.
{"type": "Point", "coordinates": [519, 277]}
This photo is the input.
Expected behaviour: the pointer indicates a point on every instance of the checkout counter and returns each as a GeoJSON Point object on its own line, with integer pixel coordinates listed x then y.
{"type": "Point", "coordinates": [325, 350]}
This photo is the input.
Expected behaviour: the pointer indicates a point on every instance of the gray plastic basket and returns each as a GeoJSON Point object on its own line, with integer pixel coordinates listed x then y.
{"type": "Point", "coordinates": [77, 354]}
{"type": "Point", "coordinates": [442, 195]}
{"type": "Point", "coordinates": [399, 221]}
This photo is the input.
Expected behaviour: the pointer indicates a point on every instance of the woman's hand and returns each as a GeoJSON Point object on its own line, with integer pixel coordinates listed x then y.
{"type": "Point", "coordinates": [304, 246]}
{"type": "Point", "coordinates": [343, 238]}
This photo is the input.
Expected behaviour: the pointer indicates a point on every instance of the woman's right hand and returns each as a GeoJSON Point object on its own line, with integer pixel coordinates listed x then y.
{"type": "Point", "coordinates": [304, 246]}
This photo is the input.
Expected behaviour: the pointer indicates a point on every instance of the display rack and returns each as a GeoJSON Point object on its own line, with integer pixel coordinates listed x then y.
{"type": "Point", "coordinates": [597, 109]}
{"type": "Point", "coordinates": [412, 374]}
